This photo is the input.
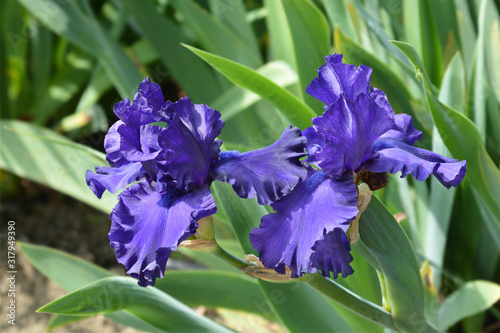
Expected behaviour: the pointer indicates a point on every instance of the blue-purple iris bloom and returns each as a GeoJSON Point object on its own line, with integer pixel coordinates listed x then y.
{"type": "Point", "coordinates": [170, 155]}
{"type": "Point", "coordinates": [357, 132]}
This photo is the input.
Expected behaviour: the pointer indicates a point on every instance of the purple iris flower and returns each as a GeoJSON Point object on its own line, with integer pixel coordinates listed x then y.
{"type": "Point", "coordinates": [358, 133]}
{"type": "Point", "coordinates": [166, 156]}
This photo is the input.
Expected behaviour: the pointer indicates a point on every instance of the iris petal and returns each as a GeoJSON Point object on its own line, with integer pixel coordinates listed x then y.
{"type": "Point", "coordinates": [147, 226]}
{"type": "Point", "coordinates": [332, 254]}
{"type": "Point", "coordinates": [140, 144]}
{"type": "Point", "coordinates": [336, 79]}
{"type": "Point", "coordinates": [405, 131]}
{"type": "Point", "coordinates": [269, 172]}
{"type": "Point", "coordinates": [314, 208]}
{"type": "Point", "coordinates": [148, 106]}
{"type": "Point", "coordinates": [113, 179]}
{"type": "Point", "coordinates": [189, 142]}
{"type": "Point", "coordinates": [350, 129]}
{"type": "Point", "coordinates": [394, 156]}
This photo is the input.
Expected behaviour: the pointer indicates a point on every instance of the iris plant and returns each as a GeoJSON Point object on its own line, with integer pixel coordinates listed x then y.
{"type": "Point", "coordinates": [166, 156]}
{"type": "Point", "coordinates": [357, 137]}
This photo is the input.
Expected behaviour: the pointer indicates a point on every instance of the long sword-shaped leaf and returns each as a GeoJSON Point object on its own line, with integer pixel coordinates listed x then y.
{"type": "Point", "coordinates": [195, 77]}
{"type": "Point", "coordinates": [477, 295]}
{"type": "Point", "coordinates": [122, 293]}
{"type": "Point", "coordinates": [86, 33]}
{"type": "Point", "coordinates": [213, 289]}
{"type": "Point", "coordinates": [215, 36]}
{"type": "Point", "coordinates": [46, 157]}
{"type": "Point", "coordinates": [441, 199]}
{"type": "Point", "coordinates": [463, 140]}
{"type": "Point", "coordinates": [298, 113]}
{"type": "Point", "coordinates": [71, 273]}
{"type": "Point", "coordinates": [310, 36]}
{"type": "Point", "coordinates": [387, 244]}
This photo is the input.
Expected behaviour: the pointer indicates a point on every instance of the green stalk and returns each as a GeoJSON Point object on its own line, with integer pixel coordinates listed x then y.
{"type": "Point", "coordinates": [351, 301]}
{"type": "Point", "coordinates": [229, 258]}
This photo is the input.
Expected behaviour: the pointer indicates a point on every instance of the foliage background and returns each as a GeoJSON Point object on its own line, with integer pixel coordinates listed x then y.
{"type": "Point", "coordinates": [63, 64]}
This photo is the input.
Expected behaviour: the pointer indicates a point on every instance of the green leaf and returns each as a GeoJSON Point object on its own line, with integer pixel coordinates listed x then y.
{"type": "Point", "coordinates": [386, 242]}
{"type": "Point", "coordinates": [298, 113]}
{"type": "Point", "coordinates": [412, 54]}
{"type": "Point", "coordinates": [236, 100]}
{"type": "Point", "coordinates": [234, 15]}
{"type": "Point", "coordinates": [191, 73]}
{"type": "Point", "coordinates": [452, 93]}
{"type": "Point", "coordinates": [243, 215]}
{"type": "Point", "coordinates": [213, 289]}
{"type": "Point", "coordinates": [86, 33]}
{"type": "Point", "coordinates": [463, 139]}
{"type": "Point", "coordinates": [47, 157]}
{"type": "Point", "coordinates": [478, 84]}
{"type": "Point", "coordinates": [71, 273]}
{"type": "Point", "coordinates": [381, 35]}
{"type": "Point", "coordinates": [63, 86]}
{"type": "Point", "coordinates": [100, 83]}
{"type": "Point", "coordinates": [280, 37]}
{"type": "Point", "coordinates": [339, 15]}
{"type": "Point", "coordinates": [351, 301]}
{"type": "Point", "coordinates": [432, 54]}
{"type": "Point", "coordinates": [467, 34]}
{"type": "Point", "coordinates": [311, 41]}
{"type": "Point", "coordinates": [62, 320]}
{"type": "Point", "coordinates": [41, 59]}
{"type": "Point", "coordinates": [122, 293]}
{"type": "Point", "coordinates": [477, 295]}
{"type": "Point", "coordinates": [215, 36]}
{"type": "Point", "coordinates": [301, 308]}
{"type": "Point", "coordinates": [493, 55]}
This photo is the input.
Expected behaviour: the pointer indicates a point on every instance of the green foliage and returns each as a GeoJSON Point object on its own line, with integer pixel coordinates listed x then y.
{"type": "Point", "coordinates": [63, 64]}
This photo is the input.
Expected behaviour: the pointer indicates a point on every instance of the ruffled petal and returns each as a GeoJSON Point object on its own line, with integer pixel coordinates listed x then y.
{"type": "Point", "coordinates": [333, 254]}
{"type": "Point", "coordinates": [394, 156]}
{"type": "Point", "coordinates": [269, 172]}
{"type": "Point", "coordinates": [149, 106]}
{"type": "Point", "coordinates": [112, 139]}
{"type": "Point", "coordinates": [140, 144]}
{"type": "Point", "coordinates": [313, 209]}
{"type": "Point", "coordinates": [350, 129]}
{"type": "Point", "coordinates": [113, 179]}
{"type": "Point", "coordinates": [336, 79]}
{"type": "Point", "coordinates": [405, 131]}
{"type": "Point", "coordinates": [315, 143]}
{"type": "Point", "coordinates": [147, 226]}
{"type": "Point", "coordinates": [189, 142]}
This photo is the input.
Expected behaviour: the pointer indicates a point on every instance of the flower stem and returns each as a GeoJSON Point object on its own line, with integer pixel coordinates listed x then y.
{"type": "Point", "coordinates": [352, 301]}
{"type": "Point", "coordinates": [229, 258]}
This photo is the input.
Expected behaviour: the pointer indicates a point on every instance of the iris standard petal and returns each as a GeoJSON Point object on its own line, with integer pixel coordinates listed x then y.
{"type": "Point", "coordinates": [189, 142]}
{"type": "Point", "coordinates": [336, 79]}
{"type": "Point", "coordinates": [394, 156]}
{"type": "Point", "coordinates": [112, 139]}
{"type": "Point", "coordinates": [113, 179]}
{"type": "Point", "coordinates": [148, 106]}
{"type": "Point", "coordinates": [333, 254]}
{"type": "Point", "coordinates": [147, 226]}
{"type": "Point", "coordinates": [314, 208]}
{"type": "Point", "coordinates": [350, 129]}
{"type": "Point", "coordinates": [315, 143]}
{"type": "Point", "coordinates": [405, 131]}
{"type": "Point", "coordinates": [140, 144]}
{"type": "Point", "coordinates": [269, 172]}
